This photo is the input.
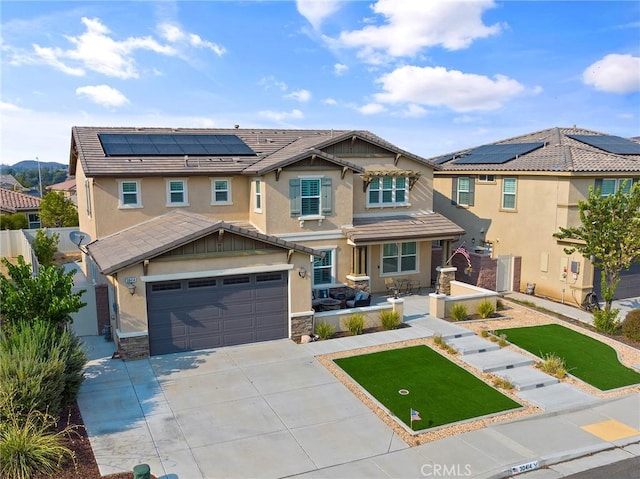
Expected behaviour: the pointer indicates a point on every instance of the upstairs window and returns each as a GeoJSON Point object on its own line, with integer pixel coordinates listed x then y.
{"type": "Point", "coordinates": [509, 186]}
{"type": "Point", "coordinates": [462, 192]}
{"type": "Point", "coordinates": [609, 186]}
{"type": "Point", "coordinates": [310, 197]}
{"type": "Point", "coordinates": [130, 194]}
{"type": "Point", "coordinates": [257, 195]}
{"type": "Point", "coordinates": [388, 191]}
{"type": "Point", "coordinates": [221, 191]}
{"type": "Point", "coordinates": [176, 193]}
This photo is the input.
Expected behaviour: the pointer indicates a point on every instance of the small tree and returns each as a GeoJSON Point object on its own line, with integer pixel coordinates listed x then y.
{"type": "Point", "coordinates": [45, 247]}
{"type": "Point", "coordinates": [46, 296]}
{"type": "Point", "coordinates": [609, 234]}
{"type": "Point", "coordinates": [15, 221]}
{"type": "Point", "coordinates": [58, 211]}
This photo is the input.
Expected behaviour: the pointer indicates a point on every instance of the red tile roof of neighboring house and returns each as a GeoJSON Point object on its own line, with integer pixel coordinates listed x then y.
{"type": "Point", "coordinates": [13, 201]}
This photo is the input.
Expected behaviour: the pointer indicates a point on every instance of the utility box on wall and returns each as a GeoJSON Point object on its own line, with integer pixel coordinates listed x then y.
{"type": "Point", "coordinates": [575, 267]}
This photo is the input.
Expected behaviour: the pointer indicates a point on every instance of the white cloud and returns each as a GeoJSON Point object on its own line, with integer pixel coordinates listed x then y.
{"type": "Point", "coordinates": [198, 42]}
{"type": "Point", "coordinates": [339, 69]}
{"type": "Point", "coordinates": [6, 107]}
{"type": "Point", "coordinates": [329, 101]}
{"type": "Point", "coordinates": [280, 116]}
{"type": "Point", "coordinates": [315, 11]}
{"type": "Point", "coordinates": [299, 95]}
{"type": "Point", "coordinates": [270, 82]}
{"type": "Point", "coordinates": [614, 73]}
{"type": "Point", "coordinates": [103, 95]}
{"type": "Point", "coordinates": [437, 86]}
{"type": "Point", "coordinates": [174, 34]}
{"type": "Point", "coordinates": [170, 32]}
{"type": "Point", "coordinates": [414, 111]}
{"type": "Point", "coordinates": [409, 26]}
{"type": "Point", "coordinates": [371, 109]}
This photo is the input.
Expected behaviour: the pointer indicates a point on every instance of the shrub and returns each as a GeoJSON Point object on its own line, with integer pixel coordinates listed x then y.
{"type": "Point", "coordinates": [553, 365]}
{"type": "Point", "coordinates": [458, 312]}
{"type": "Point", "coordinates": [29, 446]}
{"type": "Point", "coordinates": [324, 330]}
{"type": "Point", "coordinates": [442, 344]}
{"type": "Point", "coordinates": [499, 305]}
{"type": "Point", "coordinates": [486, 309]}
{"type": "Point", "coordinates": [484, 333]}
{"type": "Point", "coordinates": [606, 321]}
{"type": "Point", "coordinates": [45, 247]}
{"type": "Point", "coordinates": [355, 324]}
{"type": "Point", "coordinates": [502, 383]}
{"type": "Point", "coordinates": [40, 368]}
{"type": "Point", "coordinates": [502, 340]}
{"type": "Point", "coordinates": [631, 325]}
{"type": "Point", "coordinates": [15, 221]}
{"type": "Point", "coordinates": [389, 319]}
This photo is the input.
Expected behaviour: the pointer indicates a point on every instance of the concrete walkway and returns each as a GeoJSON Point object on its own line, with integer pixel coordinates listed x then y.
{"type": "Point", "coordinates": [271, 410]}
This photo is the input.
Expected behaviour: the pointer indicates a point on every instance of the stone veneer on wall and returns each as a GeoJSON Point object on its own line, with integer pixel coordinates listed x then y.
{"type": "Point", "coordinates": [131, 347]}
{"type": "Point", "coordinates": [301, 325]}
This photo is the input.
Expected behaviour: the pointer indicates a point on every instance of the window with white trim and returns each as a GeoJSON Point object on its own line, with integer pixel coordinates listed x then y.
{"type": "Point", "coordinates": [177, 193]}
{"type": "Point", "coordinates": [130, 196]}
{"type": "Point", "coordinates": [463, 191]}
{"type": "Point", "coordinates": [221, 191]}
{"type": "Point", "coordinates": [509, 187]}
{"type": "Point", "coordinates": [399, 258]}
{"type": "Point", "coordinates": [87, 193]}
{"type": "Point", "coordinates": [486, 178]}
{"type": "Point", "coordinates": [310, 197]}
{"type": "Point", "coordinates": [387, 191]}
{"type": "Point", "coordinates": [257, 195]}
{"type": "Point", "coordinates": [609, 186]}
{"type": "Point", "coordinates": [323, 268]}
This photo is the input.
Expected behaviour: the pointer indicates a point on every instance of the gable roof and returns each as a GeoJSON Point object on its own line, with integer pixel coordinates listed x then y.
{"type": "Point", "coordinates": [14, 201]}
{"type": "Point", "coordinates": [273, 149]}
{"type": "Point", "coordinates": [164, 233]}
{"type": "Point", "coordinates": [9, 182]}
{"type": "Point", "coordinates": [555, 151]}
{"type": "Point", "coordinates": [67, 185]}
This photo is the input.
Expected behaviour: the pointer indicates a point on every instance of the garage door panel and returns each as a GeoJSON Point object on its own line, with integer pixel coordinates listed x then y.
{"type": "Point", "coordinates": [215, 312]}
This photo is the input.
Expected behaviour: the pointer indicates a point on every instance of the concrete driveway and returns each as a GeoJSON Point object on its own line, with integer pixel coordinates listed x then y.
{"type": "Point", "coordinates": [260, 410]}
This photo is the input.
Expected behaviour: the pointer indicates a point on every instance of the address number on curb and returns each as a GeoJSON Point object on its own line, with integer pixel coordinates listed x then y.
{"type": "Point", "coordinates": [529, 466]}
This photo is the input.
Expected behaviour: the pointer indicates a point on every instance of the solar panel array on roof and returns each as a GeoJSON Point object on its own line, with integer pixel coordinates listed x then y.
{"type": "Point", "coordinates": [444, 159]}
{"type": "Point", "coordinates": [610, 144]}
{"type": "Point", "coordinates": [139, 144]}
{"type": "Point", "coordinates": [497, 154]}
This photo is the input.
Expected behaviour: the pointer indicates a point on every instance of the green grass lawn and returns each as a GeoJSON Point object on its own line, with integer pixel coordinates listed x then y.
{"type": "Point", "coordinates": [586, 358]}
{"type": "Point", "coordinates": [440, 390]}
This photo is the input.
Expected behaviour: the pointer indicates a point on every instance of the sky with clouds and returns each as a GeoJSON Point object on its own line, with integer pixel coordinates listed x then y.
{"type": "Point", "coordinates": [430, 76]}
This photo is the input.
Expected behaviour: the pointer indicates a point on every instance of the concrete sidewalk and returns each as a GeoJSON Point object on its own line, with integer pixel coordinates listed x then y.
{"type": "Point", "coordinates": [271, 410]}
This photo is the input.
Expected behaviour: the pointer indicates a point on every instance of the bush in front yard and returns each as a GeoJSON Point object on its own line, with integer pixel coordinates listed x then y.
{"type": "Point", "coordinates": [324, 330]}
{"type": "Point", "coordinates": [606, 321]}
{"type": "Point", "coordinates": [355, 323]}
{"type": "Point", "coordinates": [458, 312]}
{"type": "Point", "coordinates": [389, 319]}
{"type": "Point", "coordinates": [486, 309]}
{"type": "Point", "coordinates": [30, 446]}
{"type": "Point", "coordinates": [631, 325]}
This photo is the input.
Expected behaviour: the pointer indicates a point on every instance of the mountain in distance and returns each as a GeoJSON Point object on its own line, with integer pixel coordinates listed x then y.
{"type": "Point", "coordinates": [33, 164]}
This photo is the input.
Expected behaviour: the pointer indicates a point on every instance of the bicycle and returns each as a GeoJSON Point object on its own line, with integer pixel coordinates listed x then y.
{"type": "Point", "coordinates": [590, 302]}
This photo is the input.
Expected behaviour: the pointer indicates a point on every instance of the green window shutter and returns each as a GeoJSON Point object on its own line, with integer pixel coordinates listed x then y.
{"type": "Point", "coordinates": [327, 200]}
{"type": "Point", "coordinates": [454, 191]}
{"type": "Point", "coordinates": [472, 189]}
{"type": "Point", "coordinates": [294, 196]}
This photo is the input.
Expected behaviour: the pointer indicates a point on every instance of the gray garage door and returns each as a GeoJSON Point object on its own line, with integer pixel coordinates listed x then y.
{"type": "Point", "coordinates": [186, 315]}
{"type": "Point", "coordinates": [629, 286]}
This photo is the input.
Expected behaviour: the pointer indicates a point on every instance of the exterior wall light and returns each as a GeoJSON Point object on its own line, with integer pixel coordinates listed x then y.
{"type": "Point", "coordinates": [132, 288]}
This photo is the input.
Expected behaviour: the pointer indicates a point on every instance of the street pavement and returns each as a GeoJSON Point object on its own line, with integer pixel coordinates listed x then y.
{"type": "Point", "coordinates": [271, 410]}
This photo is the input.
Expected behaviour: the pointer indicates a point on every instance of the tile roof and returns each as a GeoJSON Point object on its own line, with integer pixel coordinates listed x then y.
{"type": "Point", "coordinates": [273, 148]}
{"type": "Point", "coordinates": [401, 227]}
{"type": "Point", "coordinates": [560, 153]}
{"type": "Point", "coordinates": [13, 201]}
{"type": "Point", "coordinates": [67, 185]}
{"type": "Point", "coordinates": [164, 233]}
{"type": "Point", "coordinates": [9, 181]}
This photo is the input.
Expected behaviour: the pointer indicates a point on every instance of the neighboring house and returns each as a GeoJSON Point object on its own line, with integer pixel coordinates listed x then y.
{"type": "Point", "coordinates": [513, 195]}
{"type": "Point", "coordinates": [67, 188]}
{"type": "Point", "coordinates": [213, 237]}
{"type": "Point", "coordinates": [16, 202]}
{"type": "Point", "coordinates": [10, 183]}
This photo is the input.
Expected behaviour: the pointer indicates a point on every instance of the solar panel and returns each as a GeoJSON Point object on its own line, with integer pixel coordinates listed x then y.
{"type": "Point", "coordinates": [497, 154]}
{"type": "Point", "coordinates": [610, 144]}
{"type": "Point", "coordinates": [142, 144]}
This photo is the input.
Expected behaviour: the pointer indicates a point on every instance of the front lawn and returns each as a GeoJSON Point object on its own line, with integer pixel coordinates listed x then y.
{"type": "Point", "coordinates": [440, 390]}
{"type": "Point", "coordinates": [594, 362]}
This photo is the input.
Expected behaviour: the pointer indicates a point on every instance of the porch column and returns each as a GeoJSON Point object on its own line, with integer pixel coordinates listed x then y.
{"type": "Point", "coordinates": [446, 274]}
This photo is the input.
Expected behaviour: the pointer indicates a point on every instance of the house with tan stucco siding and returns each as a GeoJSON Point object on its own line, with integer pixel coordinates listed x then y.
{"type": "Point", "coordinates": [214, 237]}
{"type": "Point", "coordinates": [511, 196]}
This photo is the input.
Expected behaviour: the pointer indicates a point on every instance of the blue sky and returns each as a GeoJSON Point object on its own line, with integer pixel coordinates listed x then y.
{"type": "Point", "coordinates": [430, 76]}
